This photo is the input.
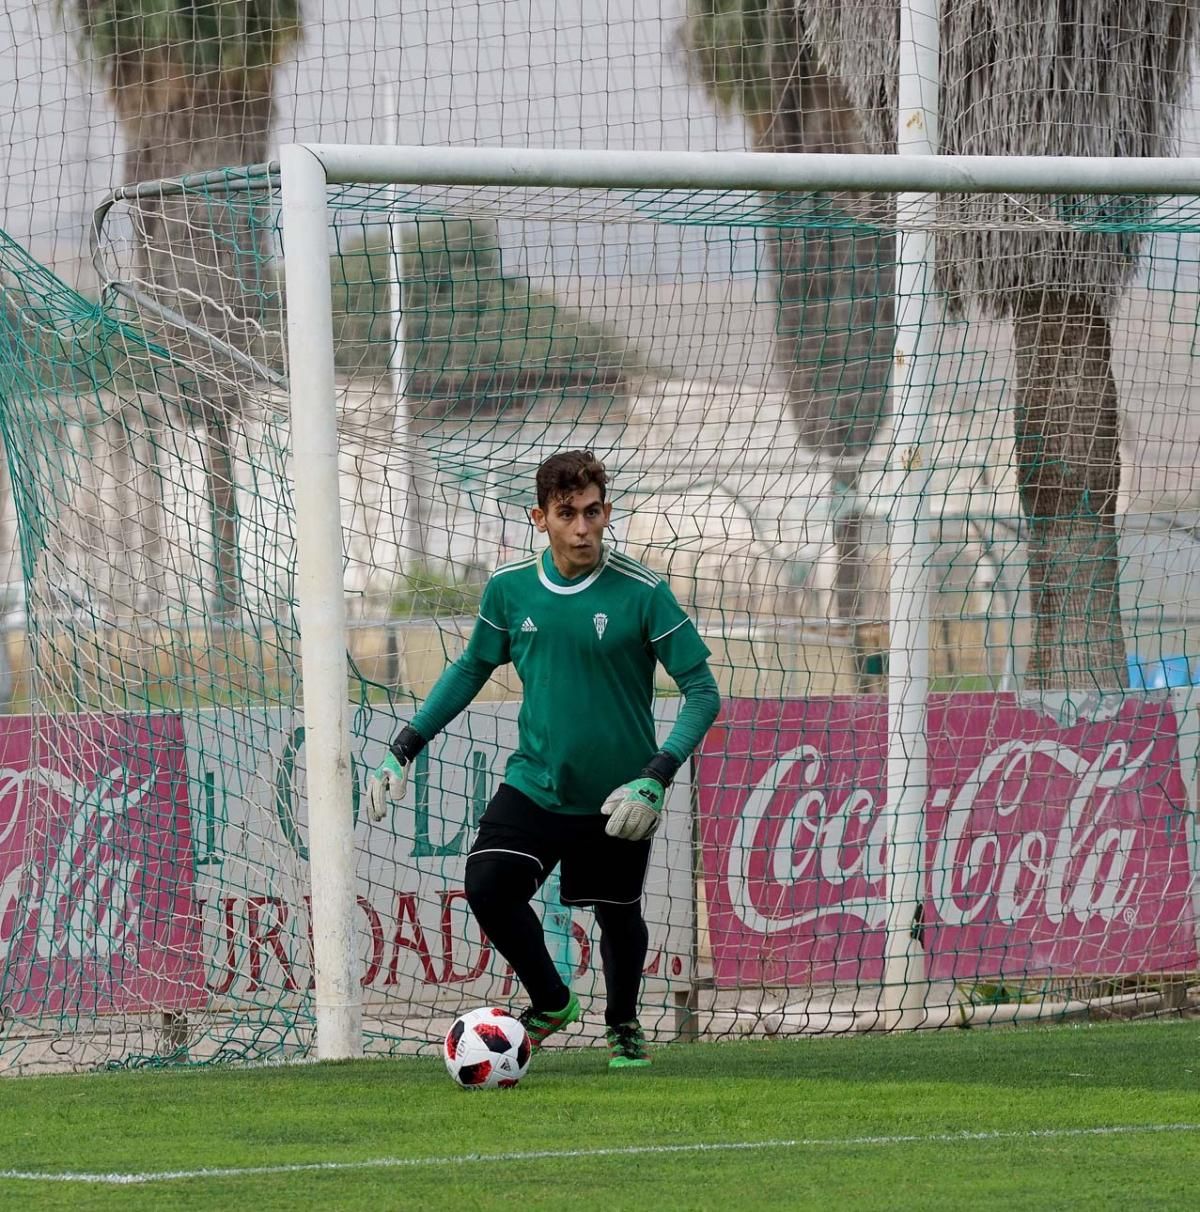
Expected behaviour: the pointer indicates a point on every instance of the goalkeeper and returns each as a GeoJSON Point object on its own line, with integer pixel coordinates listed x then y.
{"type": "Point", "coordinates": [584, 626]}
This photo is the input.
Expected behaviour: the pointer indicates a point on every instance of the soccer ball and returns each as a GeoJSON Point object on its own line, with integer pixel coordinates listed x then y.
{"type": "Point", "coordinates": [486, 1049]}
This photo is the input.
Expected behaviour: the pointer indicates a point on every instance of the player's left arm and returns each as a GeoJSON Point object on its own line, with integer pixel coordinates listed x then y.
{"type": "Point", "coordinates": [701, 704]}
{"type": "Point", "coordinates": [634, 809]}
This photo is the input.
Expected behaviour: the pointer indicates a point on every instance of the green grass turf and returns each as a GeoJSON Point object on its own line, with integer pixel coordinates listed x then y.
{"type": "Point", "coordinates": [846, 1101]}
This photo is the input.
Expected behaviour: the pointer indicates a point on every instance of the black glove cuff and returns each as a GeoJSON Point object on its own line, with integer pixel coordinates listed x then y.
{"type": "Point", "coordinates": [663, 767]}
{"type": "Point", "coordinates": [407, 745]}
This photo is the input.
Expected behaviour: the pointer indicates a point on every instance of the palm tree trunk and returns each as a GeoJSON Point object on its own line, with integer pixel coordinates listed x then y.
{"type": "Point", "coordinates": [1069, 470]}
{"type": "Point", "coordinates": [835, 327]}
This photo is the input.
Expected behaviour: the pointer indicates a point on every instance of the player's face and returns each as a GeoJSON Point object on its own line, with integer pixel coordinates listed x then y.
{"type": "Point", "coordinates": [575, 525]}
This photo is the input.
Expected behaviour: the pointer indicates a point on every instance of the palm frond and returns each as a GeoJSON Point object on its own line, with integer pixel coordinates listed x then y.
{"type": "Point", "coordinates": [200, 35]}
{"type": "Point", "coordinates": [1033, 78]}
{"type": "Point", "coordinates": [729, 52]}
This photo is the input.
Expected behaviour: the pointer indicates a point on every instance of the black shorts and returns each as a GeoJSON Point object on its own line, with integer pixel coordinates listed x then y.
{"type": "Point", "coordinates": [596, 868]}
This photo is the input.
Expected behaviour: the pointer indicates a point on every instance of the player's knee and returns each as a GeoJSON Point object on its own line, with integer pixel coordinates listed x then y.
{"type": "Point", "coordinates": [497, 881]}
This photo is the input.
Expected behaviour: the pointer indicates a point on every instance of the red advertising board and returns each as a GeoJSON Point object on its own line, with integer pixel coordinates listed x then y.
{"type": "Point", "coordinates": [97, 912]}
{"type": "Point", "coordinates": [1049, 849]}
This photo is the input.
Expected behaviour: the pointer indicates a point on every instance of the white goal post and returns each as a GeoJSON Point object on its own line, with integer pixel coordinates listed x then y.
{"type": "Point", "coordinates": [307, 170]}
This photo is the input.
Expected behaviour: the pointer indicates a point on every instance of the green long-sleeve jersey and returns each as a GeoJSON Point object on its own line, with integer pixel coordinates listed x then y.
{"type": "Point", "coordinates": [585, 651]}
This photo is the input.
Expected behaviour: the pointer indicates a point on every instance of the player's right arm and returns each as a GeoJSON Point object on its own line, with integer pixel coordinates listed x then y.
{"type": "Point", "coordinates": [460, 682]}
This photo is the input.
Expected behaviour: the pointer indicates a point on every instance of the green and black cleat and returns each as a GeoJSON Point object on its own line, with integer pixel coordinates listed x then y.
{"type": "Point", "coordinates": [627, 1046]}
{"type": "Point", "coordinates": [539, 1024]}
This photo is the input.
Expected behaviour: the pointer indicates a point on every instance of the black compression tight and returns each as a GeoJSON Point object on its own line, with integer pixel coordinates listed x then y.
{"type": "Point", "coordinates": [623, 943]}
{"type": "Point", "coordinates": [499, 888]}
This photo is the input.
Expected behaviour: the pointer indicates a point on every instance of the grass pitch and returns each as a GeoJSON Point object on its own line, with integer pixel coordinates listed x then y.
{"type": "Point", "coordinates": [1093, 1117]}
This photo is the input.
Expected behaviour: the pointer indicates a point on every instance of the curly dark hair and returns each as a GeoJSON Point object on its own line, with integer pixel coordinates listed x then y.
{"type": "Point", "coordinates": [569, 472]}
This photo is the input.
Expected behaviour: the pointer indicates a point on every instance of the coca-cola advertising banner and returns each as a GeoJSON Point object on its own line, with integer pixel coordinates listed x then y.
{"type": "Point", "coordinates": [97, 913]}
{"type": "Point", "coordinates": [1049, 847]}
{"type": "Point", "coordinates": [161, 863]}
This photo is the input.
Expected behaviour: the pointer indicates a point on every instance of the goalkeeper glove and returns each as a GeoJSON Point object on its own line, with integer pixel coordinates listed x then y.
{"type": "Point", "coordinates": [635, 809]}
{"type": "Point", "coordinates": [386, 784]}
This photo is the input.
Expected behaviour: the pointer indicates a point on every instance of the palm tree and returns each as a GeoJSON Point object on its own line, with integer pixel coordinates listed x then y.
{"type": "Point", "coordinates": [192, 85]}
{"type": "Point", "coordinates": [834, 281]}
{"type": "Point", "coordinates": [1031, 77]}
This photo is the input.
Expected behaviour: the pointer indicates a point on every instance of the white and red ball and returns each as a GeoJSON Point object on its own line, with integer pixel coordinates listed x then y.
{"type": "Point", "coordinates": [486, 1049]}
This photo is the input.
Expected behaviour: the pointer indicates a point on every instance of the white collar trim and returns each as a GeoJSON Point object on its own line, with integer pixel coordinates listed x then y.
{"type": "Point", "coordinates": [584, 584]}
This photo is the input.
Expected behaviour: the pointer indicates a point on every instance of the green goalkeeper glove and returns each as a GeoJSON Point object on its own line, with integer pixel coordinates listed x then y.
{"type": "Point", "coordinates": [635, 809]}
{"type": "Point", "coordinates": [386, 785]}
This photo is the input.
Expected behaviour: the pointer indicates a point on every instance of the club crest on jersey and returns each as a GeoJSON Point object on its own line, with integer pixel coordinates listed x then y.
{"type": "Point", "coordinates": [600, 622]}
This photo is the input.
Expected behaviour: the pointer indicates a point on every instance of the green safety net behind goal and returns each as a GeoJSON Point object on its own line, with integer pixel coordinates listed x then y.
{"type": "Point", "coordinates": [729, 356]}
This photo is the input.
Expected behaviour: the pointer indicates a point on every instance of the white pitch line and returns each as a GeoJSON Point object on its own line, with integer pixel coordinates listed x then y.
{"type": "Point", "coordinates": [390, 1163]}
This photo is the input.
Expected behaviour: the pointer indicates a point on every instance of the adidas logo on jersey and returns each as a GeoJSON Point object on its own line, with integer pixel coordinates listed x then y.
{"type": "Point", "coordinates": [528, 625]}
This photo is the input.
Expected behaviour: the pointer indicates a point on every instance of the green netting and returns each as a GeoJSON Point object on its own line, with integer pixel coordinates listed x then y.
{"type": "Point", "coordinates": [728, 356]}
{"type": "Point", "coordinates": [154, 702]}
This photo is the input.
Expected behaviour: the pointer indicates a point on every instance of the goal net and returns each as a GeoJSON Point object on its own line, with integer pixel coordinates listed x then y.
{"type": "Point", "coordinates": [737, 357]}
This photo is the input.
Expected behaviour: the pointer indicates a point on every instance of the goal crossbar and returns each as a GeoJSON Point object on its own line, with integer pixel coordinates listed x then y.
{"type": "Point", "coordinates": [542, 167]}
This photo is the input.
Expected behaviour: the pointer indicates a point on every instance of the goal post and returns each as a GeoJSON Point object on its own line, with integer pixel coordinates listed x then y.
{"type": "Point", "coordinates": [321, 601]}
{"type": "Point", "coordinates": [305, 174]}
{"type": "Point", "coordinates": [905, 975]}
